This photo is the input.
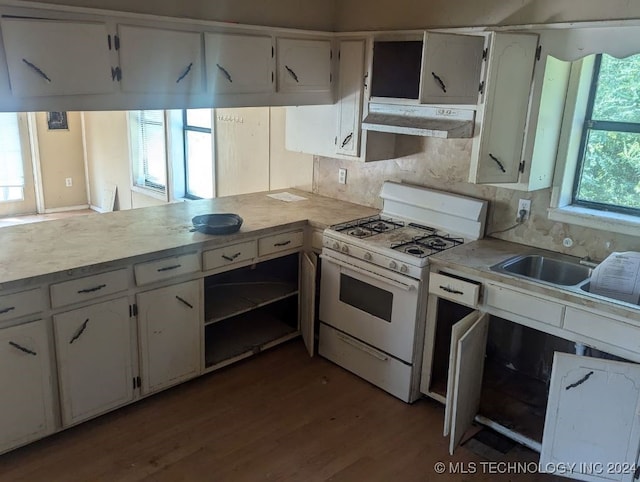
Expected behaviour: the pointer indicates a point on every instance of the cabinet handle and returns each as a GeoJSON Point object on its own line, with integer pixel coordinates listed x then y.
{"type": "Point", "coordinates": [80, 331]}
{"type": "Point", "coordinates": [91, 290]}
{"type": "Point", "coordinates": [346, 140]}
{"type": "Point", "coordinates": [169, 268]}
{"type": "Point", "coordinates": [439, 80]}
{"type": "Point", "coordinates": [497, 162]}
{"type": "Point", "coordinates": [364, 80]}
{"type": "Point", "coordinates": [7, 310]}
{"type": "Point", "coordinates": [181, 300]}
{"type": "Point", "coordinates": [451, 290]}
{"type": "Point", "coordinates": [292, 73]}
{"type": "Point", "coordinates": [232, 257]}
{"type": "Point", "coordinates": [21, 348]}
{"type": "Point", "coordinates": [284, 243]}
{"type": "Point", "coordinates": [39, 71]}
{"type": "Point", "coordinates": [224, 72]}
{"type": "Point", "coordinates": [185, 73]}
{"type": "Point", "coordinates": [579, 382]}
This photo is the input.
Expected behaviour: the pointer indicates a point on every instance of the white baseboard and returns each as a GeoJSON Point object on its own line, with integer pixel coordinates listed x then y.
{"type": "Point", "coordinates": [67, 208]}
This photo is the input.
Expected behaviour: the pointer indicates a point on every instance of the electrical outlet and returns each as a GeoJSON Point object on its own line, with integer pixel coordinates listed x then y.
{"type": "Point", "coordinates": [524, 210]}
{"type": "Point", "coordinates": [68, 182]}
{"type": "Point", "coordinates": [342, 175]}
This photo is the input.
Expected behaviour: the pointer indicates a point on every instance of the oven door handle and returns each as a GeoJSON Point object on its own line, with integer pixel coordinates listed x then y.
{"type": "Point", "coordinates": [362, 347]}
{"type": "Point", "coordinates": [383, 279]}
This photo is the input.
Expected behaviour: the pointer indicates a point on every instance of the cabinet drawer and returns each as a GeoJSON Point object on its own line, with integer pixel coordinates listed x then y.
{"type": "Point", "coordinates": [165, 268]}
{"type": "Point", "coordinates": [454, 289]}
{"type": "Point", "coordinates": [88, 288]}
{"type": "Point", "coordinates": [374, 366]}
{"type": "Point", "coordinates": [603, 328]}
{"type": "Point", "coordinates": [524, 305]}
{"type": "Point", "coordinates": [219, 257]}
{"type": "Point", "coordinates": [21, 304]}
{"type": "Point", "coordinates": [279, 242]}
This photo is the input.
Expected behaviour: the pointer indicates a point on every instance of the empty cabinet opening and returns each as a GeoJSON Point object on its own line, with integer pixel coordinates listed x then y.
{"type": "Point", "coordinates": [396, 69]}
{"type": "Point", "coordinates": [250, 308]}
{"type": "Point", "coordinates": [517, 371]}
{"type": "Point", "coordinates": [449, 313]}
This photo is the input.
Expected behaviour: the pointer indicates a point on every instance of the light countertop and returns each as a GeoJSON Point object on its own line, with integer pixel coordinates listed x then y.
{"type": "Point", "coordinates": [476, 258]}
{"type": "Point", "coordinates": [37, 249]}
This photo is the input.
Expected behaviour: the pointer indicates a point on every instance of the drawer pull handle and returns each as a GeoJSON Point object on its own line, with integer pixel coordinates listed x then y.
{"type": "Point", "coordinates": [7, 310]}
{"type": "Point", "coordinates": [80, 331]}
{"type": "Point", "coordinates": [497, 161]}
{"type": "Point", "coordinates": [21, 348]}
{"type": "Point", "coordinates": [292, 73]}
{"type": "Point", "coordinates": [451, 290]}
{"type": "Point", "coordinates": [284, 243]}
{"type": "Point", "coordinates": [579, 382]}
{"type": "Point", "coordinates": [182, 300]}
{"type": "Point", "coordinates": [362, 347]}
{"type": "Point", "coordinates": [225, 73]}
{"type": "Point", "coordinates": [232, 257]}
{"type": "Point", "coordinates": [169, 268]}
{"type": "Point", "coordinates": [37, 69]}
{"type": "Point", "coordinates": [440, 82]}
{"type": "Point", "coordinates": [346, 140]}
{"type": "Point", "coordinates": [91, 290]}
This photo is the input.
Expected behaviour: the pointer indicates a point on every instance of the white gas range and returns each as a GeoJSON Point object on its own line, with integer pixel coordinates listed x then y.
{"type": "Point", "coordinates": [374, 282]}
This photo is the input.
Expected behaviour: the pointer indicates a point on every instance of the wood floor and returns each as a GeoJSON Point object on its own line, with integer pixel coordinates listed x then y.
{"type": "Point", "coordinates": [280, 416]}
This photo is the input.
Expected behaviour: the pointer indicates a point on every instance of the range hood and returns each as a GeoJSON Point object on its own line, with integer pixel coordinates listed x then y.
{"type": "Point", "coordinates": [419, 120]}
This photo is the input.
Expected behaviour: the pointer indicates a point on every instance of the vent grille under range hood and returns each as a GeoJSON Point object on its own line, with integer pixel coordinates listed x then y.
{"type": "Point", "coordinates": [420, 120]}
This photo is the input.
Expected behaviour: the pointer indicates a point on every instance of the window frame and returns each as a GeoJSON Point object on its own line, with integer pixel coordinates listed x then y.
{"type": "Point", "coordinates": [148, 189]}
{"type": "Point", "coordinates": [598, 125]}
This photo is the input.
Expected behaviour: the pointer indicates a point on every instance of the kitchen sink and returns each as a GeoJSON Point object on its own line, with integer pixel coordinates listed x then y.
{"type": "Point", "coordinates": [546, 269]}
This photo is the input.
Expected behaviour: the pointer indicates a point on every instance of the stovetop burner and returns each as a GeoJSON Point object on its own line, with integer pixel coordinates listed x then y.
{"type": "Point", "coordinates": [362, 228]}
{"type": "Point", "coordinates": [426, 246]}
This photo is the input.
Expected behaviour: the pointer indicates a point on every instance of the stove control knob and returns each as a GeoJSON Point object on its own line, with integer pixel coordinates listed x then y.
{"type": "Point", "coordinates": [367, 256]}
{"type": "Point", "coordinates": [393, 265]}
{"type": "Point", "coordinates": [336, 246]}
{"type": "Point", "coordinates": [403, 268]}
{"type": "Point", "coordinates": [345, 248]}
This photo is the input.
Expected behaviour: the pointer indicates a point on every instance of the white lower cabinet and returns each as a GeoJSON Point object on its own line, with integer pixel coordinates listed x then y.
{"type": "Point", "coordinates": [169, 330]}
{"type": "Point", "coordinates": [593, 418]}
{"type": "Point", "coordinates": [26, 405]}
{"type": "Point", "coordinates": [94, 346]}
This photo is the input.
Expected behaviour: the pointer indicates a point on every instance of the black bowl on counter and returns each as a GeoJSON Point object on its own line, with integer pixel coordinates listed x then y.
{"type": "Point", "coordinates": [219, 223]}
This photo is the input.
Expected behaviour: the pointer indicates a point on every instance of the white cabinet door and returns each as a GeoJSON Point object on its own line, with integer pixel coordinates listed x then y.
{"type": "Point", "coordinates": [239, 64]}
{"type": "Point", "coordinates": [160, 61]}
{"type": "Point", "coordinates": [93, 346]}
{"type": "Point", "coordinates": [51, 57]}
{"type": "Point", "coordinates": [169, 325]}
{"type": "Point", "coordinates": [303, 65]}
{"type": "Point", "coordinates": [451, 68]}
{"type": "Point", "coordinates": [26, 405]}
{"type": "Point", "coordinates": [308, 300]}
{"type": "Point", "coordinates": [593, 417]}
{"type": "Point", "coordinates": [502, 115]}
{"type": "Point", "coordinates": [350, 92]}
{"type": "Point", "coordinates": [466, 367]}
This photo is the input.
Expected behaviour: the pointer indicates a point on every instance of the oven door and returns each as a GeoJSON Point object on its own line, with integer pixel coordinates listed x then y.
{"type": "Point", "coordinates": [370, 306]}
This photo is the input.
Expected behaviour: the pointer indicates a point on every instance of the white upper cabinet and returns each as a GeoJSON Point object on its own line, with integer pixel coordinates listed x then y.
{"type": "Point", "coordinates": [502, 114]}
{"type": "Point", "coordinates": [53, 57]}
{"type": "Point", "coordinates": [451, 68]}
{"type": "Point", "coordinates": [592, 418]}
{"type": "Point", "coordinates": [303, 65]}
{"type": "Point", "coordinates": [350, 93]}
{"type": "Point", "coordinates": [239, 64]}
{"type": "Point", "coordinates": [155, 60]}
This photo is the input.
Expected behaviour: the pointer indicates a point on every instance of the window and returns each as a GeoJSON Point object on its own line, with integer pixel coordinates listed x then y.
{"type": "Point", "coordinates": [11, 162]}
{"type": "Point", "coordinates": [608, 171]}
{"type": "Point", "coordinates": [198, 153]}
{"type": "Point", "coordinates": [148, 151]}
